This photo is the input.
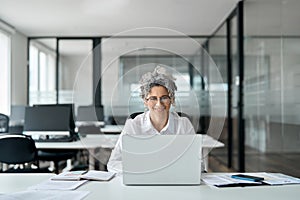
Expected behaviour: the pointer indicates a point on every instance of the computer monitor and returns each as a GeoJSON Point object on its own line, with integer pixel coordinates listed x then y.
{"type": "Point", "coordinates": [69, 106]}
{"type": "Point", "coordinates": [50, 120]}
{"type": "Point", "coordinates": [90, 113]}
{"type": "Point", "coordinates": [17, 114]}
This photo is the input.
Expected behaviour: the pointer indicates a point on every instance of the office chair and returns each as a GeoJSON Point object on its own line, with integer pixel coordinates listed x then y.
{"type": "Point", "coordinates": [19, 150]}
{"type": "Point", "coordinates": [133, 115]}
{"type": "Point", "coordinates": [56, 156]}
{"type": "Point", "coordinates": [4, 123]}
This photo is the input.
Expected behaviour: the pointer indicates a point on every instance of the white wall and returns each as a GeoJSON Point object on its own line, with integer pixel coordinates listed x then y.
{"type": "Point", "coordinates": [19, 69]}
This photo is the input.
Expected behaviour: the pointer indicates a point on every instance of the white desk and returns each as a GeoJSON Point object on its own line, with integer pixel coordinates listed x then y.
{"type": "Point", "coordinates": [208, 144]}
{"type": "Point", "coordinates": [15, 182]}
{"type": "Point", "coordinates": [109, 129]}
{"type": "Point", "coordinates": [89, 143]}
{"type": "Point", "coordinates": [92, 142]}
{"type": "Point", "coordinates": [115, 189]}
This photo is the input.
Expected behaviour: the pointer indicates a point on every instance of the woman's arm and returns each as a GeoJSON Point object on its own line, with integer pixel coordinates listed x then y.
{"type": "Point", "coordinates": [115, 161]}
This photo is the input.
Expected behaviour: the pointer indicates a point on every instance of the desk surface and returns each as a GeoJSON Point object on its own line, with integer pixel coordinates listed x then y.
{"type": "Point", "coordinates": [112, 129]}
{"type": "Point", "coordinates": [107, 141]}
{"type": "Point", "coordinates": [115, 189]}
{"type": "Point", "coordinates": [89, 142]}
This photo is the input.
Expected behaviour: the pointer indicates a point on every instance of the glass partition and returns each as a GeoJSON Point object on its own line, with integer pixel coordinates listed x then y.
{"type": "Point", "coordinates": [272, 53]}
{"type": "Point", "coordinates": [125, 60]}
{"type": "Point", "coordinates": [217, 46]}
{"type": "Point", "coordinates": [75, 62]}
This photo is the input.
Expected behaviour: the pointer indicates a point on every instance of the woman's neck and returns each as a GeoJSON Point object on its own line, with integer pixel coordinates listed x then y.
{"type": "Point", "coordinates": [159, 122]}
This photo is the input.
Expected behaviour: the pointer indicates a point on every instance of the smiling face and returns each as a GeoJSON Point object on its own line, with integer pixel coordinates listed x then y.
{"type": "Point", "coordinates": [158, 101]}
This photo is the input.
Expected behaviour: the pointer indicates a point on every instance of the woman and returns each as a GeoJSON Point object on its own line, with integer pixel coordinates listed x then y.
{"type": "Point", "coordinates": [158, 93]}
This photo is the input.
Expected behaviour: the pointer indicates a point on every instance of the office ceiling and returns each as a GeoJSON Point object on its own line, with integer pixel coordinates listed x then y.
{"type": "Point", "coordinates": [129, 17]}
{"type": "Point", "coordinates": [110, 17]}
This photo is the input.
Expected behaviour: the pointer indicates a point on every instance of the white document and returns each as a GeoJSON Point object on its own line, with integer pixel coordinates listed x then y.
{"type": "Point", "coordinates": [98, 175]}
{"type": "Point", "coordinates": [279, 179]}
{"type": "Point", "coordinates": [57, 185]}
{"type": "Point", "coordinates": [93, 175]}
{"type": "Point", "coordinates": [224, 180]}
{"type": "Point", "coordinates": [49, 195]}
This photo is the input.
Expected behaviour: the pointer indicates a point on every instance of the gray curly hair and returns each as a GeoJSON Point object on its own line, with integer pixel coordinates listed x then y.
{"type": "Point", "coordinates": [159, 77]}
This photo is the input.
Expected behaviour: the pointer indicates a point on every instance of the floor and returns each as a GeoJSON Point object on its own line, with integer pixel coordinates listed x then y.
{"type": "Point", "coordinates": [287, 163]}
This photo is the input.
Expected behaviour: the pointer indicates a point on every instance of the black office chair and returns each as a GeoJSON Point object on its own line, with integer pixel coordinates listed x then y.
{"type": "Point", "coordinates": [56, 156]}
{"type": "Point", "coordinates": [19, 150]}
{"type": "Point", "coordinates": [4, 123]}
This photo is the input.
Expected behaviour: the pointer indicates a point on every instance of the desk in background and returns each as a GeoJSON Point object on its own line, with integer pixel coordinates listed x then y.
{"type": "Point", "coordinates": [89, 143]}
{"type": "Point", "coordinates": [115, 189]}
{"type": "Point", "coordinates": [208, 141]}
{"type": "Point", "coordinates": [94, 141]}
{"type": "Point", "coordinates": [112, 129]}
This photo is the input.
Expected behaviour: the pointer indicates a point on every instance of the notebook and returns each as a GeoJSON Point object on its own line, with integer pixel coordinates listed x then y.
{"type": "Point", "coordinates": [92, 175]}
{"type": "Point", "coordinates": [161, 159]}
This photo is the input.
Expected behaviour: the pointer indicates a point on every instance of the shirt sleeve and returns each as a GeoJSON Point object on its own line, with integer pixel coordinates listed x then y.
{"type": "Point", "coordinates": [187, 126]}
{"type": "Point", "coordinates": [115, 161]}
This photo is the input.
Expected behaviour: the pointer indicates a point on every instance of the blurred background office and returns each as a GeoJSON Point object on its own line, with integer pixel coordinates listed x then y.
{"type": "Point", "coordinates": [50, 49]}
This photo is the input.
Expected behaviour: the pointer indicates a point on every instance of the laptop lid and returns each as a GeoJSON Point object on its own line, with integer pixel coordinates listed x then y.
{"type": "Point", "coordinates": [161, 159]}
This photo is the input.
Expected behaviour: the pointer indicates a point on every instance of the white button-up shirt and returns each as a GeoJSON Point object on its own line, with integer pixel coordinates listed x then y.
{"type": "Point", "coordinates": [141, 125]}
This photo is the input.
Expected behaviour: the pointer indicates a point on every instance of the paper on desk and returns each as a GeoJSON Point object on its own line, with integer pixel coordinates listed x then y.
{"type": "Point", "coordinates": [279, 179]}
{"type": "Point", "coordinates": [69, 176]}
{"type": "Point", "coordinates": [57, 185]}
{"type": "Point", "coordinates": [223, 180]}
{"type": "Point", "coordinates": [98, 175]}
{"type": "Point", "coordinates": [49, 195]}
{"type": "Point", "coordinates": [93, 175]}
{"type": "Point", "coordinates": [269, 178]}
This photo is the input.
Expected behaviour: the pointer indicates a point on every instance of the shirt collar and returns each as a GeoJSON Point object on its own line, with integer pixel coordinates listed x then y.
{"type": "Point", "coordinates": [168, 129]}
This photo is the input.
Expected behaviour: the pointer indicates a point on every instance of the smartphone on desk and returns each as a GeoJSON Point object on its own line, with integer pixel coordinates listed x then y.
{"type": "Point", "coordinates": [247, 177]}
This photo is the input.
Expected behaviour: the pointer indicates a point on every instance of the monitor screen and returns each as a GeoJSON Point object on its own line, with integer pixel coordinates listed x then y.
{"type": "Point", "coordinates": [48, 118]}
{"type": "Point", "coordinates": [90, 113]}
{"type": "Point", "coordinates": [17, 112]}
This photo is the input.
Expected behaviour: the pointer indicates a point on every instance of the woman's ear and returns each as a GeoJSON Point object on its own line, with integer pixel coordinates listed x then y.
{"type": "Point", "coordinates": [173, 101]}
{"type": "Point", "coordinates": [145, 103]}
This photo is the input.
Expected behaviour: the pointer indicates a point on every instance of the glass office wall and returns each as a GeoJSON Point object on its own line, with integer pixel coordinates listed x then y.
{"type": "Point", "coordinates": [217, 46]}
{"type": "Point", "coordinates": [75, 71]}
{"type": "Point", "coordinates": [272, 41]}
{"type": "Point", "coordinates": [125, 60]}
{"type": "Point", "coordinates": [223, 49]}
{"type": "Point", "coordinates": [235, 84]}
{"type": "Point", "coordinates": [271, 63]}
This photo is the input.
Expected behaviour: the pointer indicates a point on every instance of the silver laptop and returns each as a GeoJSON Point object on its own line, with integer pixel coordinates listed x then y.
{"type": "Point", "coordinates": [161, 159]}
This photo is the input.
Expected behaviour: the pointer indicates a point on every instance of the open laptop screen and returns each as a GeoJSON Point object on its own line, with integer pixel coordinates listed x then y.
{"type": "Point", "coordinates": [161, 159]}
